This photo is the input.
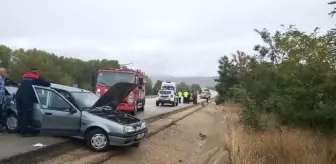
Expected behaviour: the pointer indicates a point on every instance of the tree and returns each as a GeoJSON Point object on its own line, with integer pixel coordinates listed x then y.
{"type": "Point", "coordinates": [157, 86]}
{"type": "Point", "coordinates": [68, 71]}
{"type": "Point", "coordinates": [149, 86]}
{"type": "Point", "coordinates": [196, 87]}
{"type": "Point", "coordinates": [182, 87]}
{"type": "Point", "coordinates": [292, 76]}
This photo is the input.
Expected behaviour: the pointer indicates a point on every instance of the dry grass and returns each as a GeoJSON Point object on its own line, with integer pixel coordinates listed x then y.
{"type": "Point", "coordinates": [285, 146]}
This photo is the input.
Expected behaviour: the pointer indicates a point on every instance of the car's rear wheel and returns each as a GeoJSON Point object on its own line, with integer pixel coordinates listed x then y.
{"type": "Point", "coordinates": [11, 123]}
{"type": "Point", "coordinates": [97, 140]}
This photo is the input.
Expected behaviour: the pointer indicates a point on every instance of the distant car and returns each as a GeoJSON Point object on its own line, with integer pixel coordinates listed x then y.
{"type": "Point", "coordinates": [73, 112]}
{"type": "Point", "coordinates": [167, 97]}
{"type": "Point", "coordinates": [205, 95]}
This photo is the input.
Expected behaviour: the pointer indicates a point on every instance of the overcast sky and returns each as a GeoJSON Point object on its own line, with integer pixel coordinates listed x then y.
{"type": "Point", "coordinates": [160, 37]}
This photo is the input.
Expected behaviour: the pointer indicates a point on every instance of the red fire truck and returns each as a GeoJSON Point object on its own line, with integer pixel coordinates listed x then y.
{"type": "Point", "coordinates": [107, 77]}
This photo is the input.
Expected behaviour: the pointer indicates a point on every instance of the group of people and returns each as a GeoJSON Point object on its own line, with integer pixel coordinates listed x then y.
{"type": "Point", "coordinates": [25, 98]}
{"type": "Point", "coordinates": [185, 96]}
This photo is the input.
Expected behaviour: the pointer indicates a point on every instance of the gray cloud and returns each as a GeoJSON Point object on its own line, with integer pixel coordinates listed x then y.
{"type": "Point", "coordinates": [157, 36]}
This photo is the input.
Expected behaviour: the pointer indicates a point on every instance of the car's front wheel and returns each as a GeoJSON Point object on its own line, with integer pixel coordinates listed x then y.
{"type": "Point", "coordinates": [97, 140]}
{"type": "Point", "coordinates": [11, 123]}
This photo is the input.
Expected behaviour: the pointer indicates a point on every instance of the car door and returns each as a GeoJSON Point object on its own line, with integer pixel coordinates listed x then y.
{"type": "Point", "coordinates": [55, 115]}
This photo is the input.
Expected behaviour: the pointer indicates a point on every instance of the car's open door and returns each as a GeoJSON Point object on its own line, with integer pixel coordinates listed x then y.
{"type": "Point", "coordinates": [54, 115]}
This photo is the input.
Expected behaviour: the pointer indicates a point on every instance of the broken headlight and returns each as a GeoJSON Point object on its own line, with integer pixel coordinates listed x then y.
{"type": "Point", "coordinates": [143, 125]}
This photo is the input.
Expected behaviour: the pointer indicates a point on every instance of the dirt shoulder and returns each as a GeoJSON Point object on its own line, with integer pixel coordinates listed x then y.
{"type": "Point", "coordinates": [196, 139]}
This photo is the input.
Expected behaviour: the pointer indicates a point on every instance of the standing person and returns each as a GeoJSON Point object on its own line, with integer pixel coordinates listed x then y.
{"type": "Point", "coordinates": [189, 95]}
{"type": "Point", "coordinates": [3, 75]}
{"type": "Point", "coordinates": [25, 99]}
{"type": "Point", "coordinates": [179, 96]}
{"type": "Point", "coordinates": [185, 96]}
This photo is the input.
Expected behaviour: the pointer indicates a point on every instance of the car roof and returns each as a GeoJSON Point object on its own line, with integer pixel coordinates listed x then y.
{"type": "Point", "coordinates": [67, 88]}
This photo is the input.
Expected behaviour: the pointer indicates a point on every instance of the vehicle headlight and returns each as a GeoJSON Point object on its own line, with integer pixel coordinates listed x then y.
{"type": "Point", "coordinates": [171, 96]}
{"type": "Point", "coordinates": [129, 129]}
{"type": "Point", "coordinates": [143, 125]}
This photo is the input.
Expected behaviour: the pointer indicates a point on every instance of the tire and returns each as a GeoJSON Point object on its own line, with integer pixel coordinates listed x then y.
{"type": "Point", "coordinates": [143, 106]}
{"type": "Point", "coordinates": [173, 104]}
{"type": "Point", "coordinates": [135, 110]}
{"type": "Point", "coordinates": [177, 103]}
{"type": "Point", "coordinates": [142, 109]}
{"type": "Point", "coordinates": [11, 123]}
{"type": "Point", "coordinates": [97, 140]}
{"type": "Point", "coordinates": [157, 104]}
{"type": "Point", "coordinates": [161, 104]}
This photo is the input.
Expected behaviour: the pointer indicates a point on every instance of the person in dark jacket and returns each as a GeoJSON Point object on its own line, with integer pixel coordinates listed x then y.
{"type": "Point", "coordinates": [25, 99]}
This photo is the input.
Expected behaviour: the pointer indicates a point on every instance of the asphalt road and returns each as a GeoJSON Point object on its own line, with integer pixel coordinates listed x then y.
{"type": "Point", "coordinates": [13, 144]}
{"type": "Point", "coordinates": [152, 110]}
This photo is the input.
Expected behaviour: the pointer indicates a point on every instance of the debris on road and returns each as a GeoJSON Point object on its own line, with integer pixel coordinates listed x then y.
{"type": "Point", "coordinates": [203, 136]}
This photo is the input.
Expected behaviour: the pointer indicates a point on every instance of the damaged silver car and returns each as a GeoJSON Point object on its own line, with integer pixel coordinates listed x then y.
{"type": "Point", "coordinates": [74, 112]}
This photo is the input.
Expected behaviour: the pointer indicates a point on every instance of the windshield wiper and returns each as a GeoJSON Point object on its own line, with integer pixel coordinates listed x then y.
{"type": "Point", "coordinates": [103, 84]}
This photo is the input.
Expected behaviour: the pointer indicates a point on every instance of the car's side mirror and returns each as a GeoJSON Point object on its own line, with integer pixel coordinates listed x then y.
{"type": "Point", "coordinates": [141, 82]}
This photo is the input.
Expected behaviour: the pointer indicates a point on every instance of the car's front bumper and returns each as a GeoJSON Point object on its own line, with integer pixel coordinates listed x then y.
{"type": "Point", "coordinates": [126, 107]}
{"type": "Point", "coordinates": [165, 101]}
{"type": "Point", "coordinates": [126, 139]}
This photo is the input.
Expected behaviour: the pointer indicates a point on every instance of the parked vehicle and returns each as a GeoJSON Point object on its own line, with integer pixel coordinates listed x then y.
{"type": "Point", "coordinates": [205, 95]}
{"type": "Point", "coordinates": [107, 77]}
{"type": "Point", "coordinates": [73, 112]}
{"type": "Point", "coordinates": [167, 97]}
{"type": "Point", "coordinates": [167, 85]}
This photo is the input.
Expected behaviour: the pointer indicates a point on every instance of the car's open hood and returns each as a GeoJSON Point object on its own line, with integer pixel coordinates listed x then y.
{"type": "Point", "coordinates": [115, 95]}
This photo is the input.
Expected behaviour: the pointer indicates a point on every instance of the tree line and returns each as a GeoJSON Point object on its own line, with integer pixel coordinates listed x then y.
{"type": "Point", "coordinates": [59, 69]}
{"type": "Point", "coordinates": [291, 77]}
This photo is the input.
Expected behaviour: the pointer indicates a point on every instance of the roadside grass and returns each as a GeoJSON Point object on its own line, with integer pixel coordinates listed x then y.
{"type": "Point", "coordinates": [281, 146]}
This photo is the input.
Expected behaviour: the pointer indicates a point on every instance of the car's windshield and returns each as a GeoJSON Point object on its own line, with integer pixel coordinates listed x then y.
{"type": "Point", "coordinates": [85, 99]}
{"type": "Point", "coordinates": [164, 92]}
{"type": "Point", "coordinates": [11, 90]}
{"type": "Point", "coordinates": [111, 78]}
{"type": "Point", "coordinates": [168, 88]}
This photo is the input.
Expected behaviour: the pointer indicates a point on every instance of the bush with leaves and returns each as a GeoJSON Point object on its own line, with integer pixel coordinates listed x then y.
{"type": "Point", "coordinates": [292, 76]}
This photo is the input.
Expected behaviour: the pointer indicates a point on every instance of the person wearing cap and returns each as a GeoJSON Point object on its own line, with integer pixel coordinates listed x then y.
{"type": "Point", "coordinates": [25, 99]}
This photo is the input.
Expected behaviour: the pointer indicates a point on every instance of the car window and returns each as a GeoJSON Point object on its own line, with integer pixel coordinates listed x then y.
{"type": "Point", "coordinates": [49, 99]}
{"type": "Point", "coordinates": [11, 90]}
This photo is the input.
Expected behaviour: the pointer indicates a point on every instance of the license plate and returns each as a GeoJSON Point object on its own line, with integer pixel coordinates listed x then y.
{"type": "Point", "coordinates": [139, 136]}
